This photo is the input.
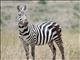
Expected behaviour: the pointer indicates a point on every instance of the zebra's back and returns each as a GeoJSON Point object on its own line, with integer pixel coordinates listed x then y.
{"type": "Point", "coordinates": [47, 32]}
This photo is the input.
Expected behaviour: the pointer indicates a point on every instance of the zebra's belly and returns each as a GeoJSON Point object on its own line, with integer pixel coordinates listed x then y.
{"type": "Point", "coordinates": [41, 42]}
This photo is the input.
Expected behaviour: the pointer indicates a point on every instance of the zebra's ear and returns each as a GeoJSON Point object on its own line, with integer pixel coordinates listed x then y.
{"type": "Point", "coordinates": [18, 8]}
{"type": "Point", "coordinates": [24, 8]}
{"type": "Point", "coordinates": [21, 7]}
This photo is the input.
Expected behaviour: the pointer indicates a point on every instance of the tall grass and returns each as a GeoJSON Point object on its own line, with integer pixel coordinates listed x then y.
{"type": "Point", "coordinates": [12, 48]}
{"type": "Point", "coordinates": [65, 13]}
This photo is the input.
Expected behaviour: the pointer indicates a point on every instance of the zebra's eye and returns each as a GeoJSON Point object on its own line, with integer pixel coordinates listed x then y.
{"type": "Point", "coordinates": [20, 19]}
{"type": "Point", "coordinates": [19, 14]}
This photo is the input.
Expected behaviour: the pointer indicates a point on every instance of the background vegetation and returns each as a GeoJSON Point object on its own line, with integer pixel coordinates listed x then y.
{"type": "Point", "coordinates": [67, 14]}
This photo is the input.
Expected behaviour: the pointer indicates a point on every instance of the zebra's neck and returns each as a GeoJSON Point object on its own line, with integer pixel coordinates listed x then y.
{"type": "Point", "coordinates": [24, 30]}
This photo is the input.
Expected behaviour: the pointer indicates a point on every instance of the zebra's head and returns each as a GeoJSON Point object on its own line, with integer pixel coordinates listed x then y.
{"type": "Point", "coordinates": [22, 15]}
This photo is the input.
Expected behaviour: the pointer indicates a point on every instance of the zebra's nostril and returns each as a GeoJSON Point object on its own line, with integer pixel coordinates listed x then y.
{"type": "Point", "coordinates": [20, 19]}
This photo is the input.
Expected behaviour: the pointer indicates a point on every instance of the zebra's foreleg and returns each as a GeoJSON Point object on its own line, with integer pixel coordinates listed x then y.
{"type": "Point", "coordinates": [33, 52]}
{"type": "Point", "coordinates": [26, 47]}
{"type": "Point", "coordinates": [53, 49]}
{"type": "Point", "coordinates": [61, 48]}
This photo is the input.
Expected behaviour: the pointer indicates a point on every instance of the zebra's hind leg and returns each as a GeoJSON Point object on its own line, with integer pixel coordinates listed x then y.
{"type": "Point", "coordinates": [53, 49]}
{"type": "Point", "coordinates": [61, 48]}
{"type": "Point", "coordinates": [26, 47]}
{"type": "Point", "coordinates": [33, 51]}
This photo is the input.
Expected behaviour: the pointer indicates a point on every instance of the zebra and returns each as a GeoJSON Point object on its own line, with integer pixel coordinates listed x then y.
{"type": "Point", "coordinates": [40, 34]}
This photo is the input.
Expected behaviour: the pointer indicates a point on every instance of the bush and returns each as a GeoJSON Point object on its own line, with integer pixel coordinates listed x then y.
{"type": "Point", "coordinates": [42, 2]}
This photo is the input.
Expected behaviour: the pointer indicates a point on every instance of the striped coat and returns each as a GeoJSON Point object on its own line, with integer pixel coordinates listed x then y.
{"type": "Point", "coordinates": [41, 34]}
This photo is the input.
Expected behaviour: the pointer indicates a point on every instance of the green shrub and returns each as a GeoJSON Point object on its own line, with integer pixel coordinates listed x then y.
{"type": "Point", "coordinates": [42, 2]}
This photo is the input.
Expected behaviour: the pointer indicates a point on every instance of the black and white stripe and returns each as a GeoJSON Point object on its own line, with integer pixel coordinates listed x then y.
{"type": "Point", "coordinates": [41, 34]}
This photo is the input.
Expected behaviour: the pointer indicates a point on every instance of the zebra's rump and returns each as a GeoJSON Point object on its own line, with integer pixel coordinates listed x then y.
{"type": "Point", "coordinates": [47, 32]}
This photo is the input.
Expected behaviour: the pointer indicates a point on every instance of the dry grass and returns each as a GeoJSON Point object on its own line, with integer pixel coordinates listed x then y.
{"type": "Point", "coordinates": [12, 49]}
{"type": "Point", "coordinates": [65, 13]}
